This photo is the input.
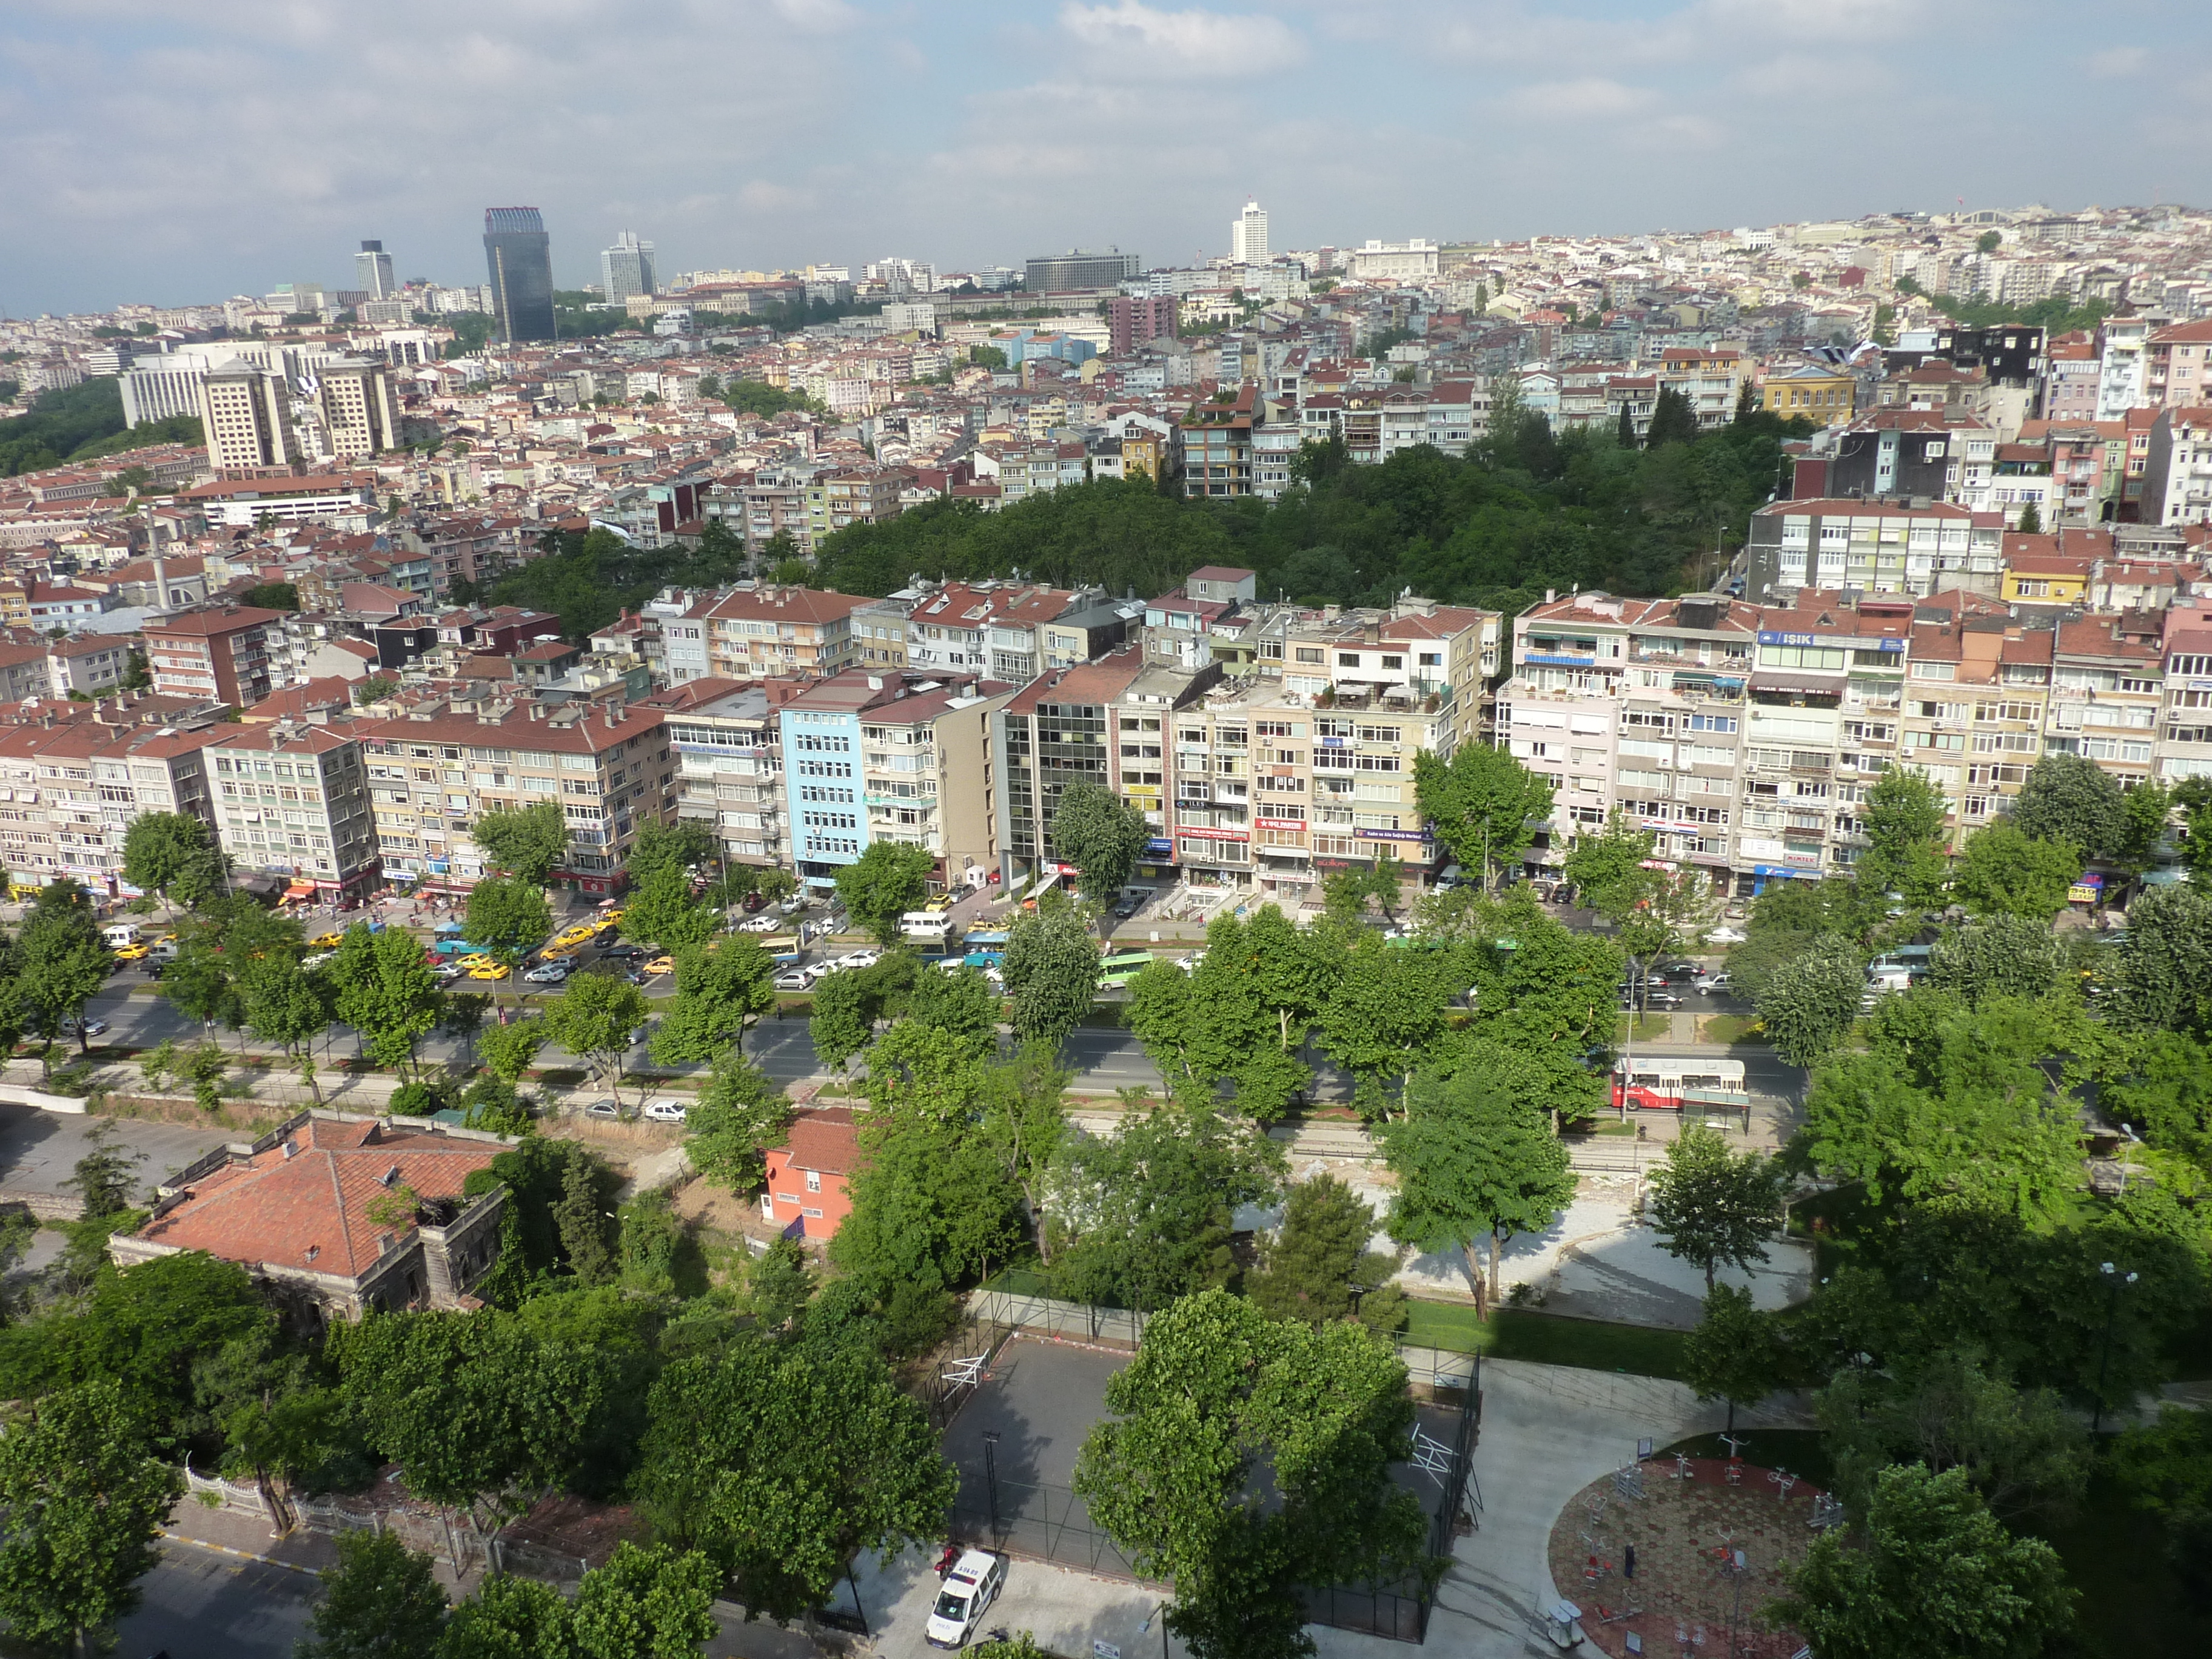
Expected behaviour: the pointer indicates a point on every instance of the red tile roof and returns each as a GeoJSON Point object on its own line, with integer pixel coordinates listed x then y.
{"type": "Point", "coordinates": [307, 1208]}
{"type": "Point", "coordinates": [825, 1140]}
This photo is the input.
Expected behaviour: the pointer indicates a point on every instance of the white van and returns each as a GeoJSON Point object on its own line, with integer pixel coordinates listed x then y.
{"type": "Point", "coordinates": [931, 927]}
{"type": "Point", "coordinates": [120, 933]}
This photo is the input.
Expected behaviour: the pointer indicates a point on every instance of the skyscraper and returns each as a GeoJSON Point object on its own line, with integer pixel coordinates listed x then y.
{"type": "Point", "coordinates": [520, 257]}
{"type": "Point", "coordinates": [372, 271]}
{"type": "Point", "coordinates": [1247, 235]}
{"type": "Point", "coordinates": [626, 267]}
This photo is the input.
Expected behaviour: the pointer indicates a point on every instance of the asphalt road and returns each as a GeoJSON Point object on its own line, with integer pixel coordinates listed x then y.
{"type": "Point", "coordinates": [202, 1605]}
{"type": "Point", "coordinates": [39, 1148]}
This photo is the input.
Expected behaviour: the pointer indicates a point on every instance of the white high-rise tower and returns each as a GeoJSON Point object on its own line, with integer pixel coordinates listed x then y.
{"type": "Point", "coordinates": [1247, 235]}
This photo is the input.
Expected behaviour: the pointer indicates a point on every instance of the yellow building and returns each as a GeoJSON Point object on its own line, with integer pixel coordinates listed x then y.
{"type": "Point", "coordinates": [1817, 393]}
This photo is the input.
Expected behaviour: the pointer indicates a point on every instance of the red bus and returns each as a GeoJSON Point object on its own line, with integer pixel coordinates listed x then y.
{"type": "Point", "coordinates": [1650, 1083]}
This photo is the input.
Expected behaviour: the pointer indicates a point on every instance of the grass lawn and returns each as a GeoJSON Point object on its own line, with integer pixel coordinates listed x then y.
{"type": "Point", "coordinates": [1728, 1028]}
{"type": "Point", "coordinates": [1649, 1028]}
{"type": "Point", "coordinates": [1545, 1339]}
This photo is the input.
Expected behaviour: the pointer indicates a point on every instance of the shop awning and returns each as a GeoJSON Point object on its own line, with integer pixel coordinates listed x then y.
{"type": "Point", "coordinates": [1768, 680]}
{"type": "Point", "coordinates": [300, 890]}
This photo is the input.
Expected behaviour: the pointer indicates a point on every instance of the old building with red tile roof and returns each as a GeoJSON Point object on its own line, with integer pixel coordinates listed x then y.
{"type": "Point", "coordinates": [316, 1210]}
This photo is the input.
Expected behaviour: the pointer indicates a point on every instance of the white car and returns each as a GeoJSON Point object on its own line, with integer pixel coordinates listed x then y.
{"type": "Point", "coordinates": [860, 959]}
{"type": "Point", "coordinates": [760, 924]}
{"type": "Point", "coordinates": [548, 973]}
{"type": "Point", "coordinates": [665, 1111]}
{"type": "Point", "coordinates": [1725, 936]}
{"type": "Point", "coordinates": [967, 1593]}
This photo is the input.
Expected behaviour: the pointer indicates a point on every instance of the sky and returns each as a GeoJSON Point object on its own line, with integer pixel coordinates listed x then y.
{"type": "Point", "coordinates": [166, 153]}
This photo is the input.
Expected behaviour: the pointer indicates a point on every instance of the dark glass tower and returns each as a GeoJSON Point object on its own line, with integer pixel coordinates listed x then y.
{"type": "Point", "coordinates": [520, 257]}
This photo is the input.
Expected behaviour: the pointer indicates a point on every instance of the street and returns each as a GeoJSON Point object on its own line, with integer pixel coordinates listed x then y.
{"type": "Point", "coordinates": [203, 1605]}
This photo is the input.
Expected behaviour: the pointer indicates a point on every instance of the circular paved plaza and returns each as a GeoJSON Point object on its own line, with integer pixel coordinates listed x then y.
{"type": "Point", "coordinates": [1709, 1550]}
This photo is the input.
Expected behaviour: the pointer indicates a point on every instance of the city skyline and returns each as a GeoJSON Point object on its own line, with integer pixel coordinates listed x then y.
{"type": "Point", "coordinates": [1460, 122]}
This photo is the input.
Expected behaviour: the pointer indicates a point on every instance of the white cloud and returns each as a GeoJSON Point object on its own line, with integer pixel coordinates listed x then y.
{"type": "Point", "coordinates": [2115, 61]}
{"type": "Point", "coordinates": [1200, 44]}
{"type": "Point", "coordinates": [1589, 98]}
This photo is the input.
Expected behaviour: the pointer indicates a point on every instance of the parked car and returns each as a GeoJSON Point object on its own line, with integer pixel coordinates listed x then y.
{"type": "Point", "coordinates": [602, 1109]}
{"type": "Point", "coordinates": [665, 1111]}
{"type": "Point", "coordinates": [760, 925]}
{"type": "Point", "coordinates": [550, 973]}
{"type": "Point", "coordinates": [754, 902]}
{"type": "Point", "coordinates": [91, 1028]}
{"type": "Point", "coordinates": [967, 1593]}
{"type": "Point", "coordinates": [1725, 936]}
{"type": "Point", "coordinates": [1127, 906]}
{"type": "Point", "coordinates": [799, 979]}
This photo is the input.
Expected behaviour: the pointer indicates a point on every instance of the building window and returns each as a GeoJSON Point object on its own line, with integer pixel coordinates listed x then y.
{"type": "Point", "coordinates": [813, 1181]}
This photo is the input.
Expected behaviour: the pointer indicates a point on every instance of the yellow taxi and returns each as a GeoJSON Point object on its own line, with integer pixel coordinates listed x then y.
{"type": "Point", "coordinates": [328, 941]}
{"type": "Point", "coordinates": [615, 915]}
{"type": "Point", "coordinates": [661, 965]}
{"type": "Point", "coordinates": [489, 971]}
{"type": "Point", "coordinates": [942, 902]}
{"type": "Point", "coordinates": [134, 953]}
{"type": "Point", "coordinates": [573, 936]}
{"type": "Point", "coordinates": [607, 924]}
{"type": "Point", "coordinates": [477, 959]}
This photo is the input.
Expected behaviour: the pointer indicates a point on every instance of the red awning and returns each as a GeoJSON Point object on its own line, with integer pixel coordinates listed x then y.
{"type": "Point", "coordinates": [300, 890]}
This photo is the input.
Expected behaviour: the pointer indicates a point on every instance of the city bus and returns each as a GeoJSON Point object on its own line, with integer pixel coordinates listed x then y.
{"type": "Point", "coordinates": [1119, 968]}
{"type": "Point", "coordinates": [1698, 1081]}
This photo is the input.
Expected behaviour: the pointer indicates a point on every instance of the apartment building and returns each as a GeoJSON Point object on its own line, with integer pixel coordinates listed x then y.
{"type": "Point", "coordinates": [780, 629]}
{"type": "Point", "coordinates": [859, 766]}
{"type": "Point", "coordinates": [2178, 366]}
{"type": "Point", "coordinates": [2176, 475]}
{"type": "Point", "coordinates": [1276, 787]}
{"type": "Point", "coordinates": [2070, 384]}
{"type": "Point", "coordinates": [1105, 722]}
{"type": "Point", "coordinates": [1417, 655]}
{"type": "Point", "coordinates": [1976, 699]}
{"type": "Point", "coordinates": [1746, 737]}
{"type": "Point", "coordinates": [433, 770]}
{"type": "Point", "coordinates": [729, 752]}
{"type": "Point", "coordinates": [1638, 704]}
{"type": "Point", "coordinates": [2184, 744]}
{"type": "Point", "coordinates": [1711, 380]}
{"type": "Point", "coordinates": [292, 800]}
{"type": "Point", "coordinates": [998, 629]}
{"type": "Point", "coordinates": [2107, 692]}
{"type": "Point", "coordinates": [233, 655]}
{"type": "Point", "coordinates": [74, 787]}
{"type": "Point", "coordinates": [1874, 546]}
{"type": "Point", "coordinates": [1214, 441]}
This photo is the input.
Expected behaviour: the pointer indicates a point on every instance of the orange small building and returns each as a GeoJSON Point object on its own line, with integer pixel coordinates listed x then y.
{"type": "Point", "coordinates": [807, 1174]}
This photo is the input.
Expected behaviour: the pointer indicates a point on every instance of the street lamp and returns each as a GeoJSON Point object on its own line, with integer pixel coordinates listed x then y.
{"type": "Point", "coordinates": [2114, 1281]}
{"type": "Point", "coordinates": [991, 1479]}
